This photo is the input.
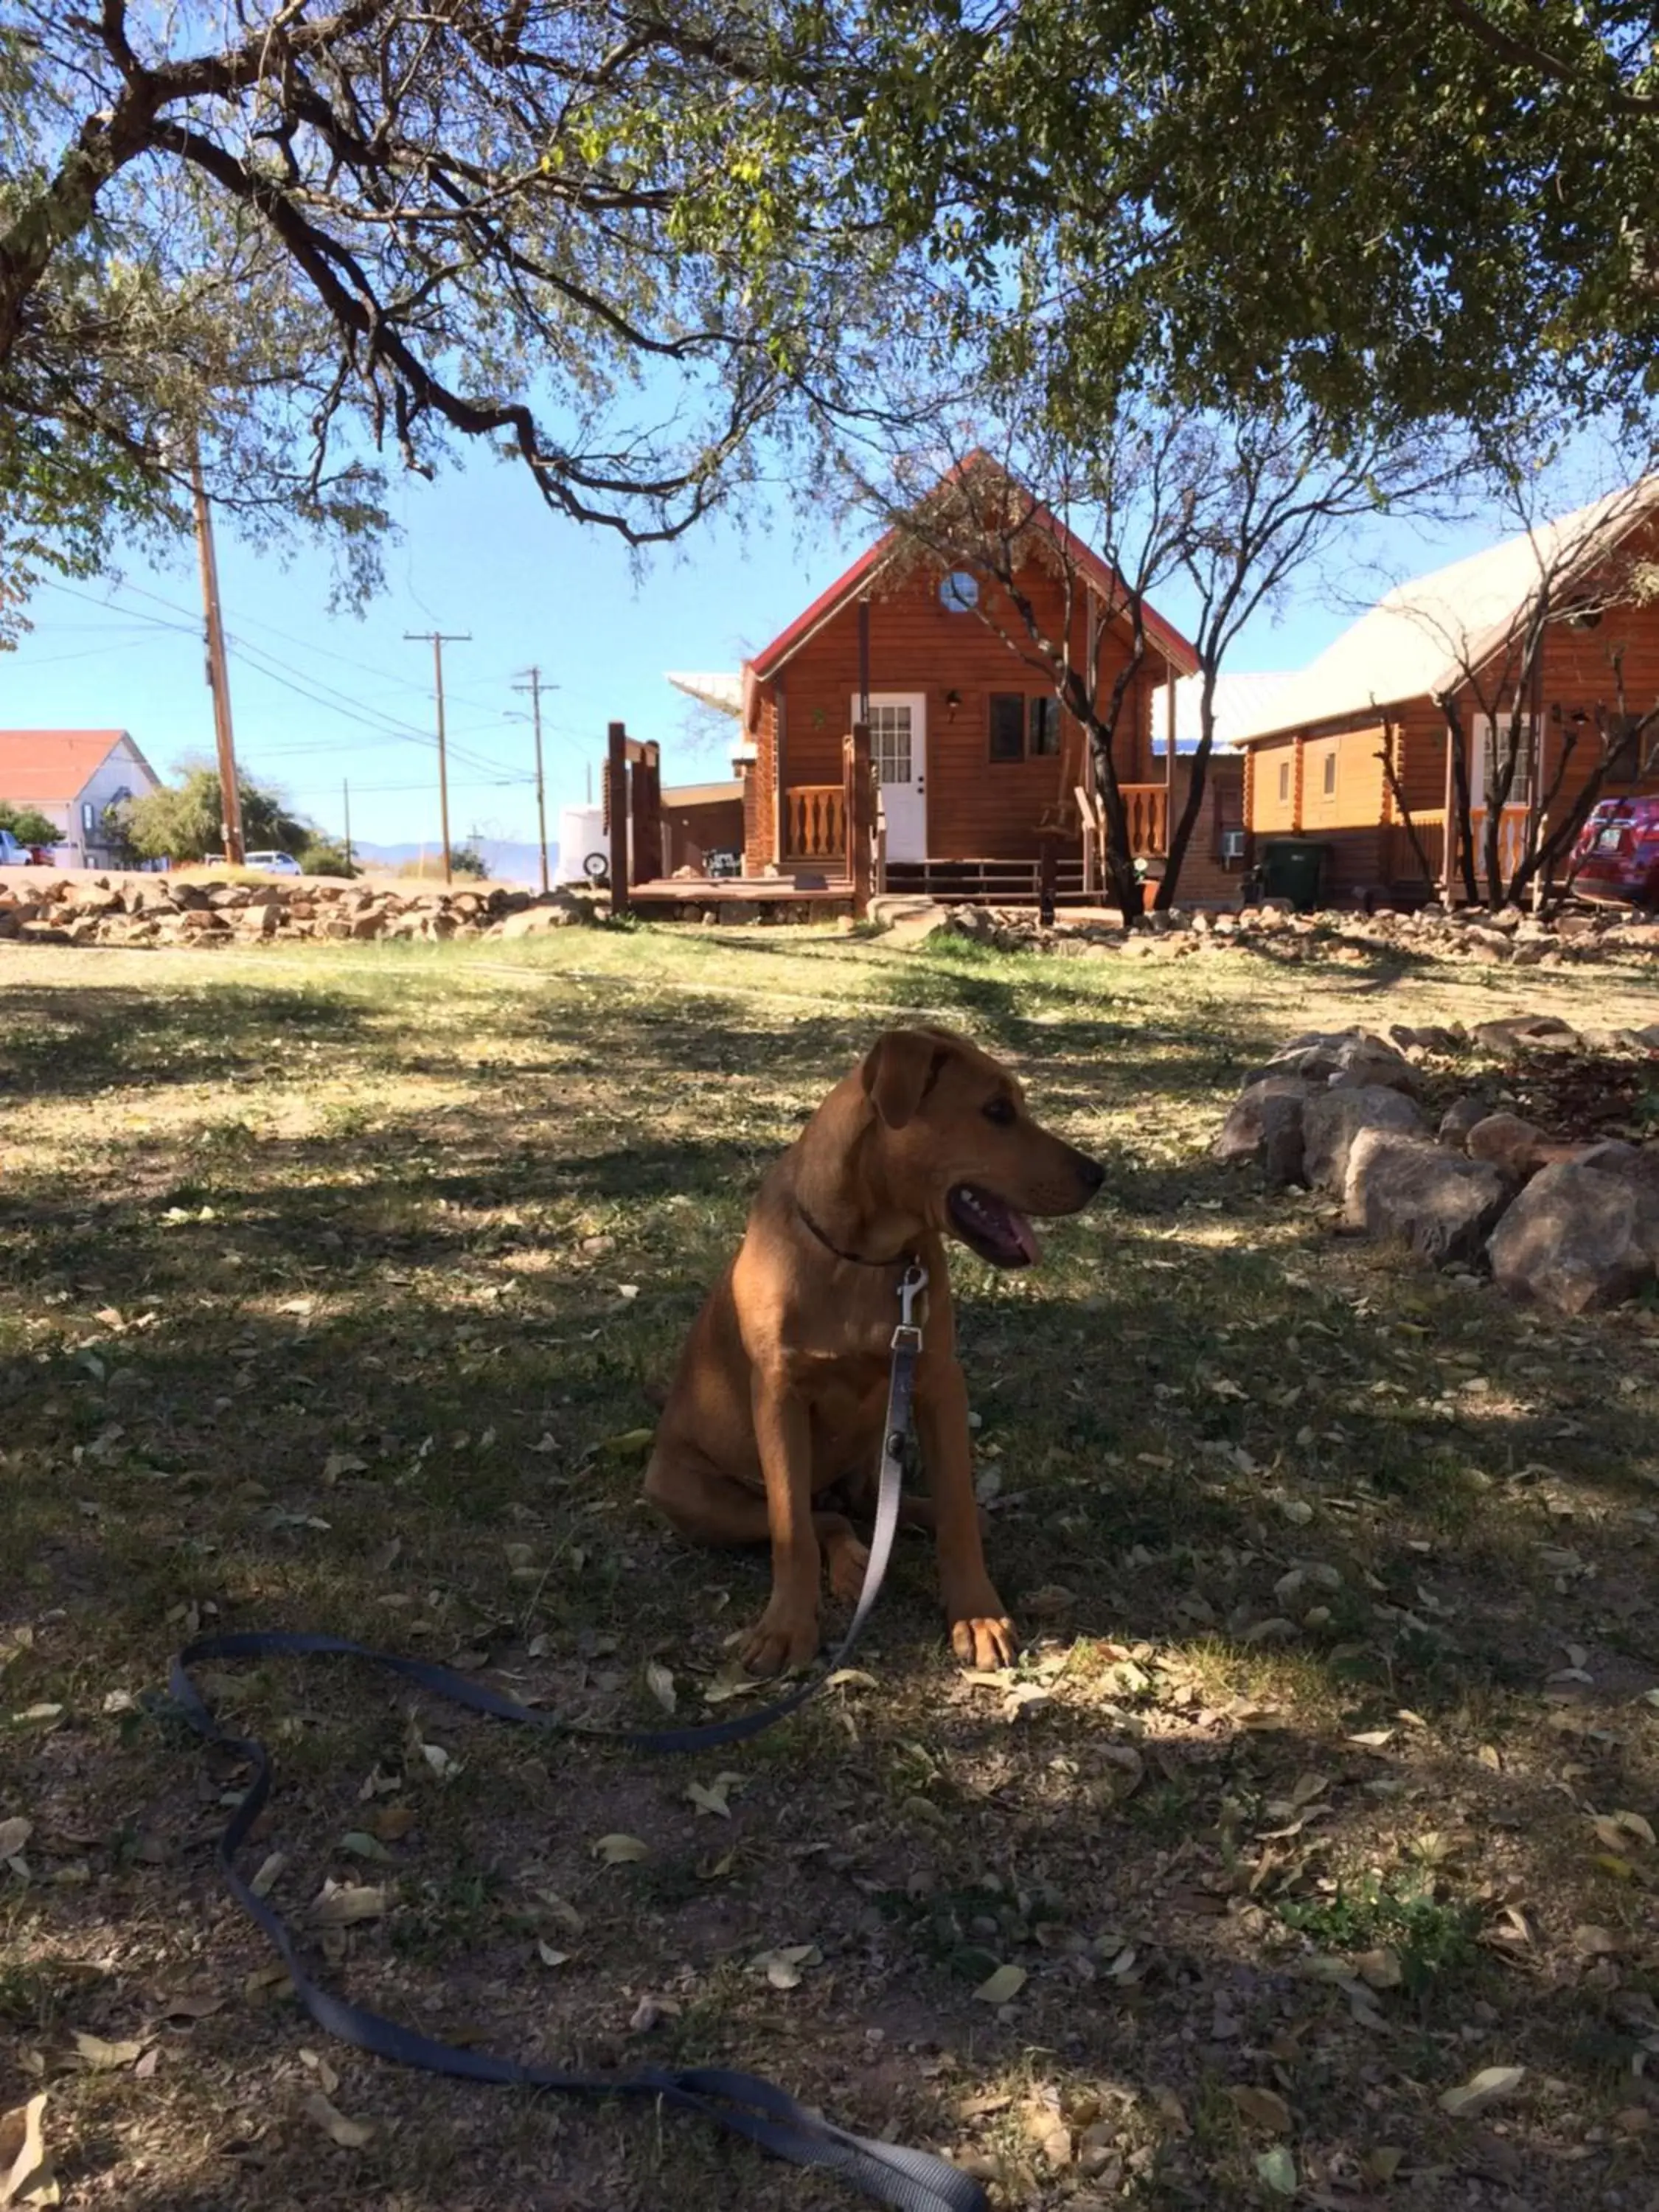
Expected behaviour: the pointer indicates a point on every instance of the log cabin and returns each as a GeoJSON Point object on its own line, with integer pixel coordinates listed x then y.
{"type": "Point", "coordinates": [1552, 634]}
{"type": "Point", "coordinates": [976, 762]}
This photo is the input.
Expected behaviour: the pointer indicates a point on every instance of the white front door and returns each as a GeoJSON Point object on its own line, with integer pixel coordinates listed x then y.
{"type": "Point", "coordinates": [898, 752]}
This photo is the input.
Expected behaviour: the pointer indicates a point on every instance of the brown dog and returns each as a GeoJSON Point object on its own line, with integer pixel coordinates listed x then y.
{"type": "Point", "coordinates": [782, 1386]}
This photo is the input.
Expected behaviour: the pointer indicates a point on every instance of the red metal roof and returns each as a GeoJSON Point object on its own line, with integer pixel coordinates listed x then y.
{"type": "Point", "coordinates": [54, 765]}
{"type": "Point", "coordinates": [1169, 640]}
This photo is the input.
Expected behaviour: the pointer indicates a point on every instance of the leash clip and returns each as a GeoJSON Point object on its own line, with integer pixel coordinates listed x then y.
{"type": "Point", "coordinates": [907, 1337]}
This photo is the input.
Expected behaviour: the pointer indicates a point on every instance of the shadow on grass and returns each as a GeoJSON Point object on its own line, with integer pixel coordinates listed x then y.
{"type": "Point", "coordinates": [423, 1431]}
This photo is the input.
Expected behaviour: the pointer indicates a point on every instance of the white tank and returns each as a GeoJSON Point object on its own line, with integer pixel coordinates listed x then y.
{"type": "Point", "coordinates": [581, 838]}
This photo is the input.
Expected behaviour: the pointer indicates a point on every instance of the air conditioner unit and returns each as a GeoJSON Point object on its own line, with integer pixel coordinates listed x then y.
{"type": "Point", "coordinates": [1232, 845]}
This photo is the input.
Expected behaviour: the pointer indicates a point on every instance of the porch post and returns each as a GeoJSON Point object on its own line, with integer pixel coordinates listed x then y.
{"type": "Point", "coordinates": [647, 858]}
{"type": "Point", "coordinates": [1169, 750]}
{"type": "Point", "coordinates": [857, 805]}
{"type": "Point", "coordinates": [1047, 872]}
{"type": "Point", "coordinates": [617, 813]}
{"type": "Point", "coordinates": [1448, 837]}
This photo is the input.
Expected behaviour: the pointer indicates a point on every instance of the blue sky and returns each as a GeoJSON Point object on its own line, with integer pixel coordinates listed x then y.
{"type": "Point", "coordinates": [481, 553]}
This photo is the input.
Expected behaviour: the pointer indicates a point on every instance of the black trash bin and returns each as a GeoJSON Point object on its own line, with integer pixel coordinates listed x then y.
{"type": "Point", "coordinates": [1292, 868]}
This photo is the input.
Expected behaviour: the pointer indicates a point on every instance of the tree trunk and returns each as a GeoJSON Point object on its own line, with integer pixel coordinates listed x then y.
{"type": "Point", "coordinates": [1130, 891]}
{"type": "Point", "coordinates": [1198, 776]}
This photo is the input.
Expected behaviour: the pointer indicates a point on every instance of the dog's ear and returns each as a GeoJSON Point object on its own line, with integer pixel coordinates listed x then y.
{"type": "Point", "coordinates": [899, 1071]}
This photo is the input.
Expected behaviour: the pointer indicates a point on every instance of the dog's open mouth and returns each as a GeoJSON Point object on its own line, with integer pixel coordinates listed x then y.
{"type": "Point", "coordinates": [990, 1227]}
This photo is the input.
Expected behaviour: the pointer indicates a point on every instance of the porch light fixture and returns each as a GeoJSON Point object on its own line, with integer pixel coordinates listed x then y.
{"type": "Point", "coordinates": [952, 701]}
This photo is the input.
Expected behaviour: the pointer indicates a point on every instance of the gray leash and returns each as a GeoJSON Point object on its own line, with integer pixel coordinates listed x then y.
{"type": "Point", "coordinates": [744, 2104]}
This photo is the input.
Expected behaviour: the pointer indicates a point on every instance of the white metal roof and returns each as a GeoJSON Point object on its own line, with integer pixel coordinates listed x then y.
{"type": "Point", "coordinates": [1423, 635]}
{"type": "Point", "coordinates": [723, 692]}
{"type": "Point", "coordinates": [1240, 703]}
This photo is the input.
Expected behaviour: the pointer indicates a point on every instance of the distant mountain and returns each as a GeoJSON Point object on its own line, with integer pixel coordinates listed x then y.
{"type": "Point", "coordinates": [507, 862]}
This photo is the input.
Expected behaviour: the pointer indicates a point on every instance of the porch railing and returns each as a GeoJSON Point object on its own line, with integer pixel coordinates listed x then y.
{"type": "Point", "coordinates": [814, 822]}
{"type": "Point", "coordinates": [1430, 823]}
{"type": "Point", "coordinates": [1147, 806]}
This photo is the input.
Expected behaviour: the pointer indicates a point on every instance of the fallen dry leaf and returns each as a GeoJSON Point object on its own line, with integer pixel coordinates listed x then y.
{"type": "Point", "coordinates": [1382, 2163]}
{"type": "Point", "coordinates": [351, 2134]}
{"type": "Point", "coordinates": [999, 1987]}
{"type": "Point", "coordinates": [711, 1797]}
{"type": "Point", "coordinates": [14, 1834]}
{"type": "Point", "coordinates": [101, 2058]}
{"type": "Point", "coordinates": [269, 1869]}
{"type": "Point", "coordinates": [549, 1956]}
{"type": "Point", "coordinates": [327, 2077]}
{"type": "Point", "coordinates": [659, 1681]}
{"type": "Point", "coordinates": [1595, 1943]}
{"type": "Point", "coordinates": [620, 1851]}
{"type": "Point", "coordinates": [1381, 1967]}
{"type": "Point", "coordinates": [1263, 2108]}
{"type": "Point", "coordinates": [362, 1845]}
{"type": "Point", "coordinates": [340, 1905]}
{"type": "Point", "coordinates": [1277, 2169]}
{"type": "Point", "coordinates": [1482, 2089]}
{"type": "Point", "coordinates": [188, 2005]}
{"type": "Point", "coordinates": [26, 2176]}
{"type": "Point", "coordinates": [782, 1968]}
{"type": "Point", "coordinates": [1048, 1602]}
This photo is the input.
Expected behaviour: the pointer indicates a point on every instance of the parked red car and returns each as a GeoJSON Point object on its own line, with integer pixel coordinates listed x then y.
{"type": "Point", "coordinates": [1618, 853]}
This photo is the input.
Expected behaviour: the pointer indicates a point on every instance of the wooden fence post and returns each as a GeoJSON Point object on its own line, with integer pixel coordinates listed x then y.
{"type": "Point", "coordinates": [1047, 860]}
{"type": "Point", "coordinates": [859, 806]}
{"type": "Point", "coordinates": [618, 819]}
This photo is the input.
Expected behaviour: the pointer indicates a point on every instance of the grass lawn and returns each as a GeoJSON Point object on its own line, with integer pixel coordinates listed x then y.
{"type": "Point", "coordinates": [333, 1287]}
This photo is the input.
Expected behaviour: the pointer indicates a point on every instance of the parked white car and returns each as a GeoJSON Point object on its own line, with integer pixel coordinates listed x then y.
{"type": "Point", "coordinates": [275, 864]}
{"type": "Point", "coordinates": [12, 855]}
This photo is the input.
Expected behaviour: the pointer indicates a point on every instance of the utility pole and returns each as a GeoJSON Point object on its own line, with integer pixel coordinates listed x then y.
{"type": "Point", "coordinates": [534, 688]}
{"type": "Point", "coordinates": [230, 795]}
{"type": "Point", "coordinates": [438, 640]}
{"type": "Point", "coordinates": [345, 788]}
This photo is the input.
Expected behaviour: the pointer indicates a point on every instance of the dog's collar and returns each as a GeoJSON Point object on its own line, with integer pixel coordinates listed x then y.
{"type": "Point", "coordinates": [854, 1258]}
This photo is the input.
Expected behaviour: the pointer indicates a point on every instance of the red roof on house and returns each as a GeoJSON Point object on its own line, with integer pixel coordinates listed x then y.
{"type": "Point", "coordinates": [1105, 579]}
{"type": "Point", "coordinates": [54, 765]}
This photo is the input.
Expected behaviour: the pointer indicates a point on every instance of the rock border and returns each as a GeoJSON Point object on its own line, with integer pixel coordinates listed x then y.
{"type": "Point", "coordinates": [1572, 1227]}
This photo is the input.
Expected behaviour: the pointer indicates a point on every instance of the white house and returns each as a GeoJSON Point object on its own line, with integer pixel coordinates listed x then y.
{"type": "Point", "coordinates": [70, 777]}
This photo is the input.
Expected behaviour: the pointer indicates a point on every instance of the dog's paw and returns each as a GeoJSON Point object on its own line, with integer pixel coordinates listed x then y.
{"type": "Point", "coordinates": [985, 1639]}
{"type": "Point", "coordinates": [849, 1561]}
{"type": "Point", "coordinates": [781, 1642]}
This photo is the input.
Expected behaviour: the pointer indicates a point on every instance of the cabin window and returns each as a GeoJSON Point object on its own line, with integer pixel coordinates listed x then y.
{"type": "Point", "coordinates": [1630, 750]}
{"type": "Point", "coordinates": [1283, 783]}
{"type": "Point", "coordinates": [1044, 725]}
{"type": "Point", "coordinates": [1328, 786]}
{"type": "Point", "coordinates": [1007, 726]}
{"type": "Point", "coordinates": [1495, 737]}
{"type": "Point", "coordinates": [890, 743]}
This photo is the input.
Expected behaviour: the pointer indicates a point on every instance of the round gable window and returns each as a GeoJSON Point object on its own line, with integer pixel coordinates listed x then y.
{"type": "Point", "coordinates": [959, 593]}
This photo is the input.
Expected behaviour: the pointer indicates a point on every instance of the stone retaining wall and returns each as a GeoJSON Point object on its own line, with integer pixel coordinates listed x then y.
{"type": "Point", "coordinates": [171, 910]}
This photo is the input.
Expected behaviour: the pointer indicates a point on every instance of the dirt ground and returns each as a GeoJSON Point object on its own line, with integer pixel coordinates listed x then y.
{"type": "Point", "coordinates": [1305, 1858]}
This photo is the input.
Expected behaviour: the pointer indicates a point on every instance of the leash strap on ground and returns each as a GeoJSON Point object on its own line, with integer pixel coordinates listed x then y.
{"type": "Point", "coordinates": [744, 2104]}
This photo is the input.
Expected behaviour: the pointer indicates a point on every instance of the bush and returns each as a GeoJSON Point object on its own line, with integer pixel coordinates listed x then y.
{"type": "Point", "coordinates": [28, 827]}
{"type": "Point", "coordinates": [326, 856]}
{"type": "Point", "coordinates": [464, 860]}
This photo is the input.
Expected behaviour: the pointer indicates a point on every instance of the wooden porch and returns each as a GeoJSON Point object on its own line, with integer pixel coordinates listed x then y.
{"type": "Point", "coordinates": [1403, 864]}
{"type": "Point", "coordinates": [833, 840]}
